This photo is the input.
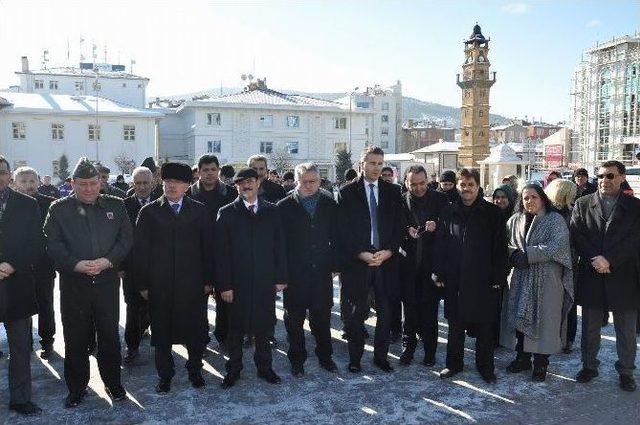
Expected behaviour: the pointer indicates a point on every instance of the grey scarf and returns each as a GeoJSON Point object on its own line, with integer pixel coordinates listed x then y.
{"type": "Point", "coordinates": [549, 236]}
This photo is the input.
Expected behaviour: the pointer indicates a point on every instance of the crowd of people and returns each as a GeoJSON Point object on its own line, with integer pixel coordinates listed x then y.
{"type": "Point", "coordinates": [510, 268]}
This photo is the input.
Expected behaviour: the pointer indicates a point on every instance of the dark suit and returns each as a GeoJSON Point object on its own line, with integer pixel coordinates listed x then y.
{"type": "Point", "coordinates": [357, 276]}
{"type": "Point", "coordinates": [21, 245]}
{"type": "Point", "coordinates": [616, 238]}
{"type": "Point", "coordinates": [45, 276]}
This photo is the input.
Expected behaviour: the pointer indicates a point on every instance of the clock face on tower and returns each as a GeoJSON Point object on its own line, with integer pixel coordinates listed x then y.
{"type": "Point", "coordinates": [480, 58]}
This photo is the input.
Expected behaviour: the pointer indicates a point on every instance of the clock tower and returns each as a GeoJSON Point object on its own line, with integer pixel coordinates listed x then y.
{"type": "Point", "coordinates": [475, 87]}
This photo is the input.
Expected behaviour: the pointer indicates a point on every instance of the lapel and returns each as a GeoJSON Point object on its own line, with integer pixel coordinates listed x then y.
{"type": "Point", "coordinates": [596, 209]}
{"type": "Point", "coordinates": [10, 207]}
{"type": "Point", "coordinates": [362, 195]}
{"type": "Point", "coordinates": [617, 216]}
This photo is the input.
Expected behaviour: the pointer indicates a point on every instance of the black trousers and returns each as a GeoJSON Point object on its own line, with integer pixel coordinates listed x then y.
{"type": "Point", "coordinates": [421, 318]}
{"type": "Point", "coordinates": [320, 324]}
{"type": "Point", "coordinates": [395, 325]}
{"type": "Point", "coordinates": [81, 300]}
{"type": "Point", "coordinates": [484, 346]}
{"type": "Point", "coordinates": [46, 318]}
{"type": "Point", "coordinates": [222, 318]}
{"type": "Point", "coordinates": [261, 357]}
{"type": "Point", "coordinates": [137, 321]}
{"type": "Point", "coordinates": [164, 359]}
{"type": "Point", "coordinates": [19, 340]}
{"type": "Point", "coordinates": [572, 324]}
{"type": "Point", "coordinates": [359, 311]}
{"type": "Point", "coordinates": [538, 359]}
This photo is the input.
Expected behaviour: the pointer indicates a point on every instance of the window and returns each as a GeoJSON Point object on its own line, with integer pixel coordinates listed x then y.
{"type": "Point", "coordinates": [139, 86]}
{"type": "Point", "coordinates": [340, 123]}
{"type": "Point", "coordinates": [385, 106]}
{"type": "Point", "coordinates": [57, 131]}
{"type": "Point", "coordinates": [214, 146]}
{"type": "Point", "coordinates": [97, 86]}
{"type": "Point", "coordinates": [129, 132]}
{"type": "Point", "coordinates": [79, 86]}
{"type": "Point", "coordinates": [292, 147]}
{"type": "Point", "coordinates": [384, 131]}
{"type": "Point", "coordinates": [38, 84]}
{"type": "Point", "coordinates": [340, 146]}
{"type": "Point", "coordinates": [55, 166]}
{"type": "Point", "coordinates": [384, 118]}
{"type": "Point", "coordinates": [293, 121]}
{"type": "Point", "coordinates": [94, 132]}
{"type": "Point", "coordinates": [19, 130]}
{"type": "Point", "coordinates": [266, 120]}
{"type": "Point", "coordinates": [480, 113]}
{"type": "Point", "coordinates": [384, 144]}
{"type": "Point", "coordinates": [213, 118]}
{"type": "Point", "coordinates": [364, 105]}
{"type": "Point", "coordinates": [53, 85]}
{"type": "Point", "coordinates": [266, 147]}
{"type": "Point", "coordinates": [481, 134]}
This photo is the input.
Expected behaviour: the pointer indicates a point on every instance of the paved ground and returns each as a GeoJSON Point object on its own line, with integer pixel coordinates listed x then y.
{"type": "Point", "coordinates": [411, 395]}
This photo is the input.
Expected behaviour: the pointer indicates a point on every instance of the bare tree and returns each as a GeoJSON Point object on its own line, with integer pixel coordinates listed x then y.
{"type": "Point", "coordinates": [281, 161]}
{"type": "Point", "coordinates": [125, 163]}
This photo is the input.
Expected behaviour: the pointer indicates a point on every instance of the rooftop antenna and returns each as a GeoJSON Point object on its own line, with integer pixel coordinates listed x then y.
{"type": "Point", "coordinates": [94, 54]}
{"type": "Point", "coordinates": [81, 54]}
{"type": "Point", "coordinates": [68, 52]}
{"type": "Point", "coordinates": [105, 53]}
{"type": "Point", "coordinates": [133, 62]}
{"type": "Point", "coordinates": [45, 59]}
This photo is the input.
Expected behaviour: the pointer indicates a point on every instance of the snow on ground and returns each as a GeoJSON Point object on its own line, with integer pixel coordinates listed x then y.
{"type": "Point", "coordinates": [411, 395]}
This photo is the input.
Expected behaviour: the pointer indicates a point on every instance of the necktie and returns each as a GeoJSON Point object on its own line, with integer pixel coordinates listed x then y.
{"type": "Point", "coordinates": [252, 209]}
{"type": "Point", "coordinates": [373, 211]}
{"type": "Point", "coordinates": [175, 208]}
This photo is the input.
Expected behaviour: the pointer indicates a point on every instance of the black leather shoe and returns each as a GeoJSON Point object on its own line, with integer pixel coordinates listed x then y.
{"type": "Point", "coordinates": [27, 409]}
{"type": "Point", "coordinates": [627, 383]}
{"type": "Point", "coordinates": [586, 375]}
{"type": "Point", "coordinates": [131, 356]}
{"type": "Point", "coordinates": [539, 374]}
{"type": "Point", "coordinates": [429, 361]}
{"type": "Point", "coordinates": [197, 381]}
{"type": "Point", "coordinates": [297, 370]}
{"type": "Point", "coordinates": [74, 399]}
{"type": "Point", "coordinates": [269, 375]}
{"type": "Point", "coordinates": [117, 393]}
{"type": "Point", "coordinates": [449, 373]}
{"type": "Point", "coordinates": [164, 386]}
{"type": "Point", "coordinates": [355, 368]}
{"type": "Point", "coordinates": [407, 356]}
{"type": "Point", "coordinates": [47, 351]}
{"type": "Point", "coordinates": [230, 380]}
{"type": "Point", "coordinates": [489, 377]}
{"type": "Point", "coordinates": [329, 365]}
{"type": "Point", "coordinates": [519, 365]}
{"type": "Point", "coordinates": [383, 365]}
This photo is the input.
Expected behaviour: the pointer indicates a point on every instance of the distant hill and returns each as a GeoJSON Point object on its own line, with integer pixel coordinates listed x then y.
{"type": "Point", "coordinates": [412, 108]}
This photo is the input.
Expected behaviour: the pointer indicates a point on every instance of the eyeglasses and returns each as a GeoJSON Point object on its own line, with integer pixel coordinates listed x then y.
{"type": "Point", "coordinates": [608, 176]}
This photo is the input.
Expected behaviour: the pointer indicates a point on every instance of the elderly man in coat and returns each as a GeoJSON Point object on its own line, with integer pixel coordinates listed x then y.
{"type": "Point", "coordinates": [605, 227]}
{"type": "Point", "coordinates": [309, 220]}
{"type": "Point", "coordinates": [251, 267]}
{"type": "Point", "coordinates": [173, 257]}
{"type": "Point", "coordinates": [21, 245]}
{"type": "Point", "coordinates": [471, 264]}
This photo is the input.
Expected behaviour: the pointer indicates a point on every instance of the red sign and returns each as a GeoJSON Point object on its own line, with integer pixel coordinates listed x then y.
{"type": "Point", "coordinates": [553, 155]}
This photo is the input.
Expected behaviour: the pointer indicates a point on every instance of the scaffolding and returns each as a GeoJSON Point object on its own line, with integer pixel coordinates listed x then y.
{"type": "Point", "coordinates": [605, 104]}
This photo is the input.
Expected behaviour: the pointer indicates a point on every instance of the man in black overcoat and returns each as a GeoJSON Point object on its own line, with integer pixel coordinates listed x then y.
{"type": "Point", "coordinates": [251, 267]}
{"type": "Point", "coordinates": [137, 317]}
{"type": "Point", "coordinates": [21, 246]}
{"type": "Point", "coordinates": [214, 194]}
{"type": "Point", "coordinates": [173, 256]}
{"type": "Point", "coordinates": [309, 220]}
{"type": "Point", "coordinates": [605, 229]}
{"type": "Point", "coordinates": [267, 190]}
{"type": "Point", "coordinates": [420, 297]}
{"type": "Point", "coordinates": [25, 180]}
{"type": "Point", "coordinates": [471, 263]}
{"type": "Point", "coordinates": [372, 227]}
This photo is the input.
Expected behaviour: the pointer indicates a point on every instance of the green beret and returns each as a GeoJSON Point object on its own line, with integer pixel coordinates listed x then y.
{"type": "Point", "coordinates": [85, 169]}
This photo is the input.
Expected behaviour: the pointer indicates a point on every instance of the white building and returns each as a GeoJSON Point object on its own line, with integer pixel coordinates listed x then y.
{"type": "Point", "coordinates": [100, 79]}
{"type": "Point", "coordinates": [384, 125]}
{"type": "Point", "coordinates": [260, 120]}
{"type": "Point", "coordinates": [37, 129]}
{"type": "Point", "coordinates": [606, 104]}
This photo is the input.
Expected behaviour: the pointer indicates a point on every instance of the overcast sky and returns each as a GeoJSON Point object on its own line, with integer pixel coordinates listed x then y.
{"type": "Point", "coordinates": [324, 46]}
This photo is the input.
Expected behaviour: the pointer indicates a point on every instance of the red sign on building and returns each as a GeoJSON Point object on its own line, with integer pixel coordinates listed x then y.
{"type": "Point", "coordinates": [553, 155]}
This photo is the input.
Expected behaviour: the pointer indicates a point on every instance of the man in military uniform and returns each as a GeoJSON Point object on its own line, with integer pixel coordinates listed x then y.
{"type": "Point", "coordinates": [88, 236]}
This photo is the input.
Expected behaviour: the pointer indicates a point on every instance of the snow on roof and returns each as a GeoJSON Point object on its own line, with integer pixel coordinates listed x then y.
{"type": "Point", "coordinates": [503, 127]}
{"type": "Point", "coordinates": [502, 154]}
{"type": "Point", "coordinates": [439, 147]}
{"type": "Point", "coordinates": [398, 157]}
{"type": "Point", "coordinates": [75, 72]}
{"type": "Point", "coordinates": [44, 103]}
{"type": "Point", "coordinates": [268, 97]}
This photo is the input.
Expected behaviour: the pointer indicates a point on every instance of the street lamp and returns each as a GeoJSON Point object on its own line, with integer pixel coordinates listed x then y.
{"type": "Point", "coordinates": [350, 111]}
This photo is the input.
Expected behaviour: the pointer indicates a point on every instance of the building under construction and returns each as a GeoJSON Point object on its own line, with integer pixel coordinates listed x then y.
{"type": "Point", "coordinates": [605, 103]}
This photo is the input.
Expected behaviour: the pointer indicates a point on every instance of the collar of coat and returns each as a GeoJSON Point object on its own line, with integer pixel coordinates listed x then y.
{"type": "Point", "coordinates": [238, 204]}
{"type": "Point", "coordinates": [197, 188]}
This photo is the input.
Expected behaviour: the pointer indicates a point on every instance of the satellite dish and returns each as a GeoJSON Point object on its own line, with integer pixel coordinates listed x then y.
{"type": "Point", "coordinates": [243, 77]}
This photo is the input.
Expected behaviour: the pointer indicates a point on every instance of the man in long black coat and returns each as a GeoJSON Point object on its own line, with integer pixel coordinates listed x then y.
{"type": "Point", "coordinates": [309, 220]}
{"type": "Point", "coordinates": [137, 317]}
{"type": "Point", "coordinates": [25, 180]}
{"type": "Point", "coordinates": [251, 267]}
{"type": "Point", "coordinates": [21, 245]}
{"type": "Point", "coordinates": [173, 255]}
{"type": "Point", "coordinates": [267, 190]}
{"type": "Point", "coordinates": [420, 297]}
{"type": "Point", "coordinates": [214, 194]}
{"type": "Point", "coordinates": [471, 263]}
{"type": "Point", "coordinates": [605, 228]}
{"type": "Point", "coordinates": [372, 227]}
